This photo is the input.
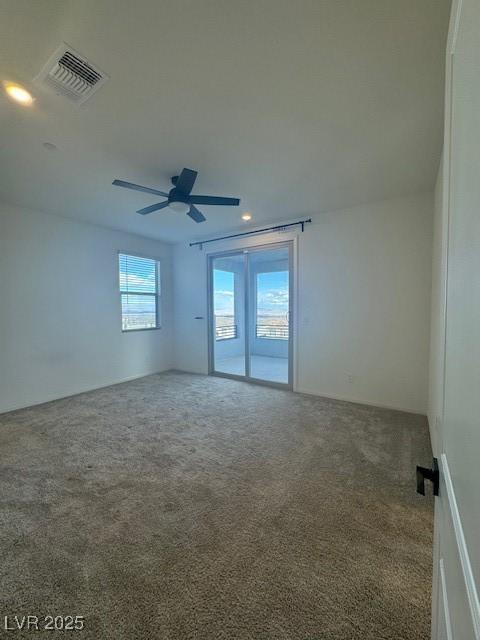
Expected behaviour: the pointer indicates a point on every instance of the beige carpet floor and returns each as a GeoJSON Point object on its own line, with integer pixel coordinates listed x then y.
{"type": "Point", "coordinates": [187, 507]}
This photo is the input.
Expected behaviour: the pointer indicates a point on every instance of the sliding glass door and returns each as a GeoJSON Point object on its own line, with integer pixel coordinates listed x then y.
{"type": "Point", "coordinates": [228, 304]}
{"type": "Point", "coordinates": [251, 313]}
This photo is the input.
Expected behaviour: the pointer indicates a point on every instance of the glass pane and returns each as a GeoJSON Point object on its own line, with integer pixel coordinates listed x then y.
{"type": "Point", "coordinates": [272, 305]}
{"type": "Point", "coordinates": [269, 314]}
{"type": "Point", "coordinates": [224, 287]}
{"type": "Point", "coordinates": [137, 275]}
{"type": "Point", "coordinates": [229, 314]}
{"type": "Point", "coordinates": [138, 311]}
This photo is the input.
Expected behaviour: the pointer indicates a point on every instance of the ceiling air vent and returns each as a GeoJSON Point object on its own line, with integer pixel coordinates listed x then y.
{"type": "Point", "coordinates": [71, 75]}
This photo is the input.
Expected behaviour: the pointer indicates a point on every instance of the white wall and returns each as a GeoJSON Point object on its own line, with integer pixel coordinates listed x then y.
{"type": "Point", "coordinates": [60, 328]}
{"type": "Point", "coordinates": [437, 328]}
{"type": "Point", "coordinates": [364, 278]}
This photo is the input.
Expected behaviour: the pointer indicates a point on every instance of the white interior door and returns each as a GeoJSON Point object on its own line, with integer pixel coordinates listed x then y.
{"type": "Point", "coordinates": [456, 610]}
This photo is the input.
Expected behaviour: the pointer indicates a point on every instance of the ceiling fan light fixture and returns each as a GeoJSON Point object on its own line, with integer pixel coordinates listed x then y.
{"type": "Point", "coordinates": [179, 207]}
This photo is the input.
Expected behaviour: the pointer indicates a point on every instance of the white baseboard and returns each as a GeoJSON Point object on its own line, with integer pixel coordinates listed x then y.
{"type": "Point", "coordinates": [380, 405]}
{"type": "Point", "coordinates": [196, 372]}
{"type": "Point", "coordinates": [330, 396]}
{"type": "Point", "coordinates": [76, 392]}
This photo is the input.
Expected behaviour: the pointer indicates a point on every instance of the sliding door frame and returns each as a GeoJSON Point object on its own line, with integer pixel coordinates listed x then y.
{"type": "Point", "coordinates": [287, 244]}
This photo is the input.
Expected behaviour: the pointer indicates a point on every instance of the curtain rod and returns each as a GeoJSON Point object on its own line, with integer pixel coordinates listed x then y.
{"type": "Point", "coordinates": [278, 227]}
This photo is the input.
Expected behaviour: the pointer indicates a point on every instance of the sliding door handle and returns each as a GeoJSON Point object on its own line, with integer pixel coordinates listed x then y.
{"type": "Point", "coordinates": [432, 474]}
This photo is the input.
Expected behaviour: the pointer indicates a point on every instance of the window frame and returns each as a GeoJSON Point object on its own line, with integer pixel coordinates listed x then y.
{"type": "Point", "coordinates": [157, 295]}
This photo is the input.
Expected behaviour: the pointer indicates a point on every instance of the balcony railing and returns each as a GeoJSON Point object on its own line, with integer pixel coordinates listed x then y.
{"type": "Point", "coordinates": [226, 332]}
{"type": "Point", "coordinates": [272, 331]}
{"type": "Point", "coordinates": [226, 329]}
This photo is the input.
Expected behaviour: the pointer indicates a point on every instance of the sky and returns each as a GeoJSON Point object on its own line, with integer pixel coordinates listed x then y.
{"type": "Point", "coordinates": [272, 293]}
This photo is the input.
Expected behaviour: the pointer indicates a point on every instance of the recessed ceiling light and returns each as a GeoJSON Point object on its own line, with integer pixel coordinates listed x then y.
{"type": "Point", "coordinates": [246, 216]}
{"type": "Point", "coordinates": [19, 94]}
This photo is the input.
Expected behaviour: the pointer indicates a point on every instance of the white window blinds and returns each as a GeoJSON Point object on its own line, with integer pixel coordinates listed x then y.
{"type": "Point", "coordinates": [139, 292]}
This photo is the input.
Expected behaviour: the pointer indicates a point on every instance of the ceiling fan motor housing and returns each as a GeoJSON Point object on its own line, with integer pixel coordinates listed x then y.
{"type": "Point", "coordinates": [175, 195]}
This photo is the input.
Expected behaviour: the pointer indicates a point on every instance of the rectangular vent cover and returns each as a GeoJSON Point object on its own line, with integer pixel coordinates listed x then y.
{"type": "Point", "coordinates": [71, 75]}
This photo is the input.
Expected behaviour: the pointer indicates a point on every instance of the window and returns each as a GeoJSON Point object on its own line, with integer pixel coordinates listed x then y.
{"type": "Point", "coordinates": [139, 292]}
{"type": "Point", "coordinates": [272, 305]}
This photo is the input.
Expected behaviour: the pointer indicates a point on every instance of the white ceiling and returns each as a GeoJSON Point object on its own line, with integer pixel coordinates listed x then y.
{"type": "Point", "coordinates": [295, 107]}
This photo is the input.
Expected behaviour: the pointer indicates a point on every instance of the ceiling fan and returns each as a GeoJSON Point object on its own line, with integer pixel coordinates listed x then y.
{"type": "Point", "coordinates": [179, 198]}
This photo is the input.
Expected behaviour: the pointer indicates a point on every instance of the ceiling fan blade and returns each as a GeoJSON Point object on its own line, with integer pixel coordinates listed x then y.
{"type": "Point", "coordinates": [195, 214]}
{"type": "Point", "coordinates": [232, 202]}
{"type": "Point", "coordinates": [186, 181]}
{"type": "Point", "coordinates": [153, 207]}
{"type": "Point", "coordinates": [137, 187]}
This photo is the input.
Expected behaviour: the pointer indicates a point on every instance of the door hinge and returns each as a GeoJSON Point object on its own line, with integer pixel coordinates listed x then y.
{"type": "Point", "coordinates": [432, 474]}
